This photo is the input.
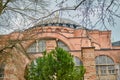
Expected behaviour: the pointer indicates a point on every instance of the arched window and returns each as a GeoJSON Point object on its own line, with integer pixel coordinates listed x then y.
{"type": "Point", "coordinates": [77, 61]}
{"type": "Point", "coordinates": [119, 68]}
{"type": "Point", "coordinates": [105, 68]}
{"type": "Point", "coordinates": [2, 66]}
{"type": "Point", "coordinates": [41, 45]}
{"type": "Point", "coordinates": [62, 45]}
{"type": "Point", "coordinates": [38, 46]}
{"type": "Point", "coordinates": [119, 71]}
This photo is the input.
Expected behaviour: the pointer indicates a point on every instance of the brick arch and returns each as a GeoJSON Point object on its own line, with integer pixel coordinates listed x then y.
{"type": "Point", "coordinates": [65, 30]}
{"type": "Point", "coordinates": [58, 36]}
{"type": "Point", "coordinates": [30, 44]}
{"type": "Point", "coordinates": [49, 30]}
{"type": "Point", "coordinates": [58, 30]}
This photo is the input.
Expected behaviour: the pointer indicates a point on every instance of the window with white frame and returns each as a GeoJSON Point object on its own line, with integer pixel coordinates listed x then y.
{"type": "Point", "coordinates": [118, 73]}
{"type": "Point", "coordinates": [77, 61]}
{"type": "Point", "coordinates": [104, 66]}
{"type": "Point", "coordinates": [119, 70]}
{"type": "Point", "coordinates": [41, 46]}
{"type": "Point", "coordinates": [62, 45]}
{"type": "Point", "coordinates": [2, 66]}
{"type": "Point", "coordinates": [38, 46]}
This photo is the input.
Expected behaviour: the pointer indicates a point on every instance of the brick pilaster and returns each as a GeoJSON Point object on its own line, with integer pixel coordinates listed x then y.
{"type": "Point", "coordinates": [89, 63]}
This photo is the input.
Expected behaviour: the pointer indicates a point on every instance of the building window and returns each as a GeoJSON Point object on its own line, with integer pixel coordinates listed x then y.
{"type": "Point", "coordinates": [118, 72]}
{"type": "Point", "coordinates": [119, 69]}
{"type": "Point", "coordinates": [41, 46]}
{"type": "Point", "coordinates": [62, 45]}
{"type": "Point", "coordinates": [105, 67]}
{"type": "Point", "coordinates": [2, 66]}
{"type": "Point", "coordinates": [77, 61]}
{"type": "Point", "coordinates": [38, 46]}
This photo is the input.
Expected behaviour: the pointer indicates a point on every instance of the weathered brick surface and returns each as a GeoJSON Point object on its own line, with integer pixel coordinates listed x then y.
{"type": "Point", "coordinates": [95, 43]}
{"type": "Point", "coordinates": [50, 45]}
{"type": "Point", "coordinates": [89, 63]}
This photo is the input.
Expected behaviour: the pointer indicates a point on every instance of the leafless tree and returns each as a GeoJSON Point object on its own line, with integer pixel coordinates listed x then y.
{"type": "Point", "coordinates": [19, 14]}
{"type": "Point", "coordinates": [22, 14]}
{"type": "Point", "coordinates": [16, 14]}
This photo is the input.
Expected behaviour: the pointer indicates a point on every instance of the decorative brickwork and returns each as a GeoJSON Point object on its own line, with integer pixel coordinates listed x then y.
{"type": "Point", "coordinates": [82, 43]}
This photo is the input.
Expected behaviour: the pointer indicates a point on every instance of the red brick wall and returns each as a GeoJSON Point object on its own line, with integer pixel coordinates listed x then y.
{"type": "Point", "coordinates": [75, 39]}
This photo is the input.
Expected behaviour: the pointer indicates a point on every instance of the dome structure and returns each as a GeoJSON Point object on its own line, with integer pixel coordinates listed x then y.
{"type": "Point", "coordinates": [59, 22]}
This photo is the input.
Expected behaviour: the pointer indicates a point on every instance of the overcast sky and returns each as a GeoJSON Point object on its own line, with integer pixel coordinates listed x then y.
{"type": "Point", "coordinates": [17, 20]}
{"type": "Point", "coordinates": [115, 30]}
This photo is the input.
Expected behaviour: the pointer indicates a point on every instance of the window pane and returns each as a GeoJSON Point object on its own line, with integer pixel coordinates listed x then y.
{"type": "Point", "coordinates": [77, 61]}
{"type": "Point", "coordinates": [119, 70]}
{"type": "Point", "coordinates": [109, 61]}
{"type": "Point", "coordinates": [104, 60]}
{"type": "Point", "coordinates": [97, 60]}
{"type": "Point", "coordinates": [105, 67]}
{"type": "Point", "coordinates": [97, 70]}
{"type": "Point", "coordinates": [41, 45]}
{"type": "Point", "coordinates": [62, 45]}
{"type": "Point", "coordinates": [32, 48]}
{"type": "Point", "coordinates": [2, 71]}
{"type": "Point", "coordinates": [38, 46]}
{"type": "Point", "coordinates": [103, 70]}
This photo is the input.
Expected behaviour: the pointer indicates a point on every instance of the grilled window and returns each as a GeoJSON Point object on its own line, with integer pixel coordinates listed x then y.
{"type": "Point", "coordinates": [105, 67]}
{"type": "Point", "coordinates": [77, 61]}
{"type": "Point", "coordinates": [119, 69]}
{"type": "Point", "coordinates": [62, 45]}
{"type": "Point", "coordinates": [2, 66]}
{"type": "Point", "coordinates": [38, 46]}
{"type": "Point", "coordinates": [118, 73]}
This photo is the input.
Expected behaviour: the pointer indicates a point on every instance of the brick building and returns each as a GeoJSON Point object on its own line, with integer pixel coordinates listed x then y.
{"type": "Point", "coordinates": [92, 48]}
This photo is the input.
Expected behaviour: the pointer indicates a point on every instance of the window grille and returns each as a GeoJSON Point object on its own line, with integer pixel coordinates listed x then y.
{"type": "Point", "coordinates": [118, 73]}
{"type": "Point", "coordinates": [105, 68]}
{"type": "Point", "coordinates": [38, 46]}
{"type": "Point", "coordinates": [77, 61]}
{"type": "Point", "coordinates": [62, 45]}
{"type": "Point", "coordinates": [2, 66]}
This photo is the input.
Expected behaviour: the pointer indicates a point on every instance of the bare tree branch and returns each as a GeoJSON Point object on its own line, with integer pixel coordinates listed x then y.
{"type": "Point", "coordinates": [110, 4]}
{"type": "Point", "coordinates": [63, 9]}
